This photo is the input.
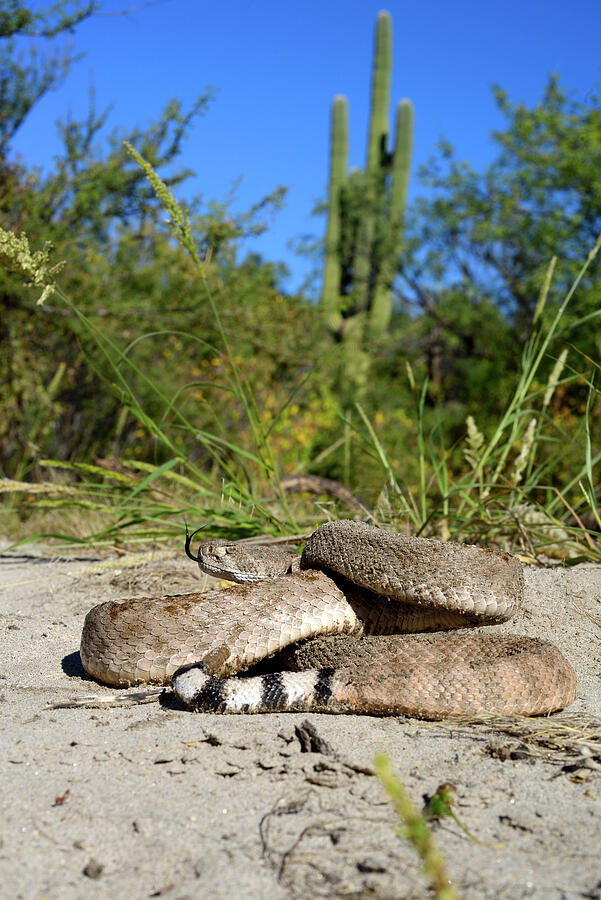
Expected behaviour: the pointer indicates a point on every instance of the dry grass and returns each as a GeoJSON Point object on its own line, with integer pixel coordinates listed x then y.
{"type": "Point", "coordinates": [565, 738]}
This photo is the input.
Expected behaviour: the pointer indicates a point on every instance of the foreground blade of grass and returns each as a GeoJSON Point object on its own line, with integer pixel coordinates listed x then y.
{"type": "Point", "coordinates": [416, 830]}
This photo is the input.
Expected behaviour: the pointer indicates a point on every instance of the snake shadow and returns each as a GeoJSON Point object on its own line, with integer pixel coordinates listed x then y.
{"type": "Point", "coordinates": [72, 666]}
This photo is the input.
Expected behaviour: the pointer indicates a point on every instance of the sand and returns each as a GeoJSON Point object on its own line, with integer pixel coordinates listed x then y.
{"type": "Point", "coordinates": [149, 800]}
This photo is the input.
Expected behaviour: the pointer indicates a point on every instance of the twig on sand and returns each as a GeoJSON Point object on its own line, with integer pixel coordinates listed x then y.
{"type": "Point", "coordinates": [99, 701]}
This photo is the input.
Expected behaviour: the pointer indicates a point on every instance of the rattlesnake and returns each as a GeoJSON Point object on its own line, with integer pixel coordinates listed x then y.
{"type": "Point", "coordinates": [354, 580]}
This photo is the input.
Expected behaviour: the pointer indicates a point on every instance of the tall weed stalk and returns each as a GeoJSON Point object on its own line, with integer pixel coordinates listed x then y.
{"type": "Point", "coordinates": [142, 501]}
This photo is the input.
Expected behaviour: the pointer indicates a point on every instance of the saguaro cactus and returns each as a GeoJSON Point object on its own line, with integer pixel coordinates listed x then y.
{"type": "Point", "coordinates": [365, 210]}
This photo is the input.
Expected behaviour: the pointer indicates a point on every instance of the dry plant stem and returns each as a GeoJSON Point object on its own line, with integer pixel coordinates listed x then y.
{"type": "Point", "coordinates": [585, 534]}
{"type": "Point", "coordinates": [533, 356]}
{"type": "Point", "coordinates": [180, 226]}
{"type": "Point", "coordinates": [416, 830]}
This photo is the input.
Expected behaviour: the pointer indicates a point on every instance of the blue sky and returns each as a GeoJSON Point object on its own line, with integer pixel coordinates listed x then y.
{"type": "Point", "coordinates": [277, 65]}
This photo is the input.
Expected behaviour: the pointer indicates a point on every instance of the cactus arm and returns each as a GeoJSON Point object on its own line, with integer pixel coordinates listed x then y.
{"type": "Point", "coordinates": [338, 167]}
{"type": "Point", "coordinates": [401, 162]}
{"type": "Point", "coordinates": [381, 306]}
{"type": "Point", "coordinates": [380, 94]}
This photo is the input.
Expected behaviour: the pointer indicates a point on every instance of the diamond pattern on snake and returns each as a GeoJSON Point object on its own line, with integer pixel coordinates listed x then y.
{"type": "Point", "coordinates": [354, 615]}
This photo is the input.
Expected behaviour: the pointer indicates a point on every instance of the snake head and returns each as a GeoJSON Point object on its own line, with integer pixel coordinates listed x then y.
{"type": "Point", "coordinates": [241, 563]}
{"type": "Point", "coordinates": [226, 559]}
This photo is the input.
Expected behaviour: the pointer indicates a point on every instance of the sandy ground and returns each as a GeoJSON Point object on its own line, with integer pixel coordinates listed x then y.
{"type": "Point", "coordinates": [147, 800]}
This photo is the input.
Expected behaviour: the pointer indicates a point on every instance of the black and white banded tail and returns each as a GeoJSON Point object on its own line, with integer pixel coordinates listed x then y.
{"type": "Point", "coordinates": [311, 690]}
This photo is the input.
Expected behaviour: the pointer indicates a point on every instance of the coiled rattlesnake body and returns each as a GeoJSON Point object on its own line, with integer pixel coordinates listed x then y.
{"type": "Point", "coordinates": [354, 580]}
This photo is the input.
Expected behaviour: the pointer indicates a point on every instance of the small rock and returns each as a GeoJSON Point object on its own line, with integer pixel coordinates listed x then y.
{"type": "Point", "coordinates": [369, 864]}
{"type": "Point", "coordinates": [93, 869]}
{"type": "Point", "coordinates": [309, 739]}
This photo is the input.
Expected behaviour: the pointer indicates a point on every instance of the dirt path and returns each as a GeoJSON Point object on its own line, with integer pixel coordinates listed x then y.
{"type": "Point", "coordinates": [148, 800]}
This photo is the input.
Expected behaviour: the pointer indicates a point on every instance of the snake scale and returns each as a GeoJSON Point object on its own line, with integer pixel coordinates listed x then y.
{"type": "Point", "coordinates": [337, 613]}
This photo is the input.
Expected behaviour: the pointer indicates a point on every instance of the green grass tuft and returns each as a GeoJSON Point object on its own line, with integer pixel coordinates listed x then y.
{"type": "Point", "coordinates": [415, 829]}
